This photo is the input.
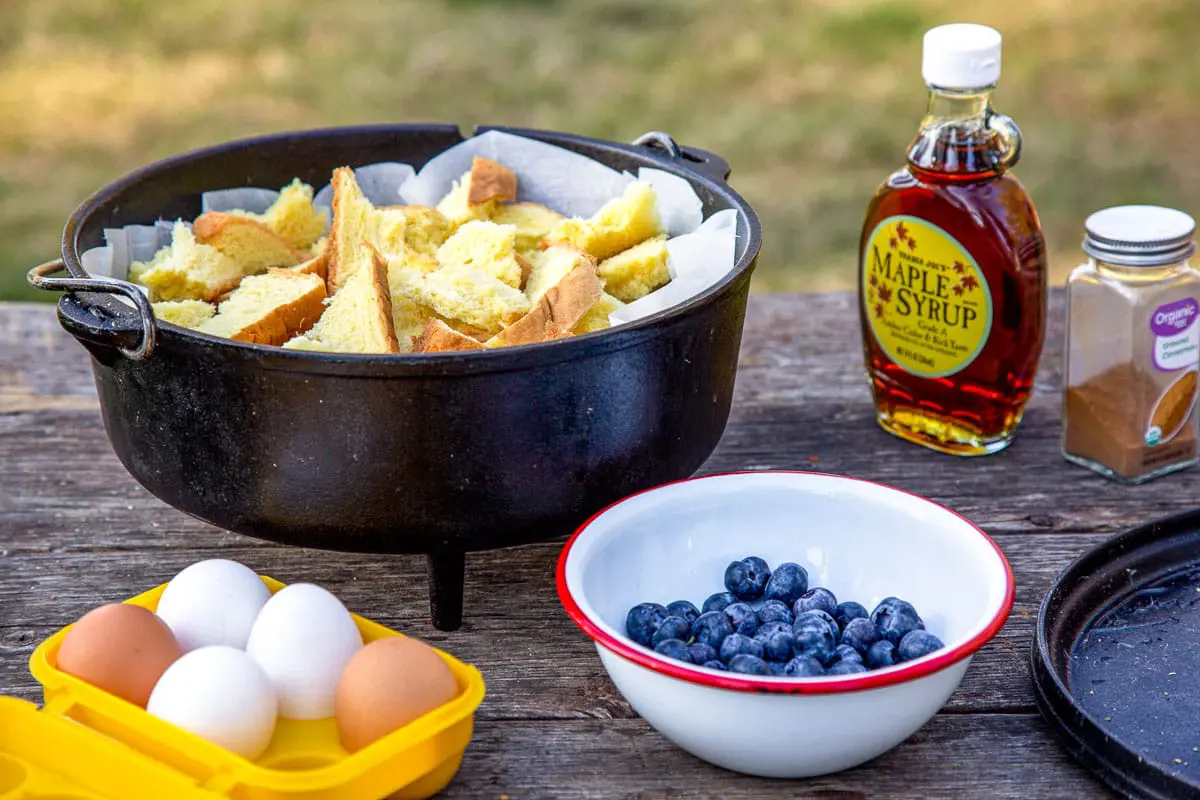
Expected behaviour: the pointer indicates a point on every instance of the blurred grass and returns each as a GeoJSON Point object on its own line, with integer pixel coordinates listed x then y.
{"type": "Point", "coordinates": [812, 101]}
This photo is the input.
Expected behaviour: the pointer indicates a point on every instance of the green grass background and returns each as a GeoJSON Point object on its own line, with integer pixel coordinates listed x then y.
{"type": "Point", "coordinates": [812, 101]}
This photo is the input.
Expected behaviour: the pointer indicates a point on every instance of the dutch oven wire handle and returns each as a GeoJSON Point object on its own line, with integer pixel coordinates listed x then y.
{"type": "Point", "coordinates": [708, 164]}
{"type": "Point", "coordinates": [92, 322]}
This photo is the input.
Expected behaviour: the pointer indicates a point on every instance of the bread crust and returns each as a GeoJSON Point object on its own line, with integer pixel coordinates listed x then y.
{"type": "Point", "coordinates": [559, 309]}
{"type": "Point", "coordinates": [438, 337]}
{"type": "Point", "coordinates": [383, 309]}
{"type": "Point", "coordinates": [212, 227]}
{"type": "Point", "coordinates": [490, 180]}
{"type": "Point", "coordinates": [281, 323]}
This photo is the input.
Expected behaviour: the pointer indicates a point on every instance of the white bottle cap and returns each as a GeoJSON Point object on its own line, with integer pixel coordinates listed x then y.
{"type": "Point", "coordinates": [961, 56]}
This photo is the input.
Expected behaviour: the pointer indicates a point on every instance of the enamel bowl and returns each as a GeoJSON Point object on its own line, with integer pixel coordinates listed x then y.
{"type": "Point", "coordinates": [863, 541]}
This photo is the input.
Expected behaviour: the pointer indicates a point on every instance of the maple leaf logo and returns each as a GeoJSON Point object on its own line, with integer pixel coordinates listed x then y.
{"type": "Point", "coordinates": [912, 243]}
{"type": "Point", "coordinates": [958, 291]}
{"type": "Point", "coordinates": [885, 294]}
{"type": "Point", "coordinates": [960, 267]}
{"type": "Point", "coordinates": [902, 231]}
{"type": "Point", "coordinates": [878, 310]}
{"type": "Point", "coordinates": [893, 243]}
{"type": "Point", "coordinates": [970, 283]}
{"type": "Point", "coordinates": [874, 281]}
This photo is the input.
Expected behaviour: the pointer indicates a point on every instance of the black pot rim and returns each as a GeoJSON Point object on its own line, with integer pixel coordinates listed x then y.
{"type": "Point", "coordinates": [469, 362]}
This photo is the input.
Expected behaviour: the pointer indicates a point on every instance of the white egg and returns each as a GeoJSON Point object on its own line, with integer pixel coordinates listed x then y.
{"type": "Point", "coordinates": [213, 602]}
{"type": "Point", "coordinates": [220, 694]}
{"type": "Point", "coordinates": [302, 639]}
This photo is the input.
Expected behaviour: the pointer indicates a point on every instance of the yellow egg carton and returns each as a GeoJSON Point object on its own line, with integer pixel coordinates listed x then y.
{"type": "Point", "coordinates": [86, 744]}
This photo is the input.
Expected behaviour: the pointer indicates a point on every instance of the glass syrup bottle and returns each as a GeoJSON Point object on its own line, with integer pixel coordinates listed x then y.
{"type": "Point", "coordinates": [952, 265]}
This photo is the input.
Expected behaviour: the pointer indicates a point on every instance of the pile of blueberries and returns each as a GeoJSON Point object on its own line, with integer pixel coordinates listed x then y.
{"type": "Point", "coordinates": [794, 632]}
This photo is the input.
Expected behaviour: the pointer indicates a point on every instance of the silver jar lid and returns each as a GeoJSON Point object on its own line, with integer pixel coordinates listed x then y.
{"type": "Point", "coordinates": [1139, 236]}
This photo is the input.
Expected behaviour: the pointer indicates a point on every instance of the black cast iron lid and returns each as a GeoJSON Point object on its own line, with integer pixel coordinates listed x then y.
{"type": "Point", "coordinates": [1116, 657]}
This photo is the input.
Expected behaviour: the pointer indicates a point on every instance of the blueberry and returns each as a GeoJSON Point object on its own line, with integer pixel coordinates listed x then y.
{"type": "Point", "coordinates": [742, 617]}
{"type": "Point", "coordinates": [777, 668]}
{"type": "Point", "coordinates": [702, 653]}
{"type": "Point", "coordinates": [848, 611]}
{"type": "Point", "coordinates": [916, 644]}
{"type": "Point", "coordinates": [881, 654]}
{"type": "Point", "coordinates": [672, 628]}
{"type": "Point", "coordinates": [777, 646]}
{"type": "Point", "coordinates": [765, 630]}
{"type": "Point", "coordinates": [739, 644]}
{"type": "Point", "coordinates": [682, 608]}
{"type": "Point", "coordinates": [846, 668]}
{"type": "Point", "coordinates": [803, 667]}
{"type": "Point", "coordinates": [828, 620]}
{"type": "Point", "coordinates": [749, 665]}
{"type": "Point", "coordinates": [859, 633]}
{"type": "Point", "coordinates": [711, 629]}
{"type": "Point", "coordinates": [817, 599]}
{"type": "Point", "coordinates": [844, 652]}
{"type": "Point", "coordinates": [775, 611]}
{"type": "Point", "coordinates": [643, 620]}
{"type": "Point", "coordinates": [714, 664]}
{"type": "Point", "coordinates": [894, 618]}
{"type": "Point", "coordinates": [747, 578]}
{"type": "Point", "coordinates": [813, 637]}
{"type": "Point", "coordinates": [673, 648]}
{"type": "Point", "coordinates": [718, 602]}
{"type": "Point", "coordinates": [786, 583]}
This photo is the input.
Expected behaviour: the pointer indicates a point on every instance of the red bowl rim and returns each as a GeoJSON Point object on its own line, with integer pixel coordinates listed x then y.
{"type": "Point", "coordinates": [875, 679]}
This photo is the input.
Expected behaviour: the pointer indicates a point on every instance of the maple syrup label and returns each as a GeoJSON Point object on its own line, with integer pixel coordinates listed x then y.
{"type": "Point", "coordinates": [924, 297]}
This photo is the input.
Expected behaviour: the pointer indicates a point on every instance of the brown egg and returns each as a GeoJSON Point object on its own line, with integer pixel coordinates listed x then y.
{"type": "Point", "coordinates": [387, 685]}
{"type": "Point", "coordinates": [120, 648]}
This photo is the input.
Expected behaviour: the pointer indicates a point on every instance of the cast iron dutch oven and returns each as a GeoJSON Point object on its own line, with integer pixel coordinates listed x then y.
{"type": "Point", "coordinates": [438, 454]}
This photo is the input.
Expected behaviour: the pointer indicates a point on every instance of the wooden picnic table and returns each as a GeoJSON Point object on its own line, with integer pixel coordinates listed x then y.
{"type": "Point", "coordinates": [76, 531]}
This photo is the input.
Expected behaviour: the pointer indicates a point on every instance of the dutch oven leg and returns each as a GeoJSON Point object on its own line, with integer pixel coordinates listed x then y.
{"type": "Point", "coordinates": [446, 573]}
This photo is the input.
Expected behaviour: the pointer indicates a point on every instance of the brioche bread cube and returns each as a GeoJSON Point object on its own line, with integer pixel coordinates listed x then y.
{"type": "Point", "coordinates": [549, 266]}
{"type": "Point", "coordinates": [358, 318]}
{"type": "Point", "coordinates": [425, 230]}
{"type": "Point", "coordinates": [532, 220]}
{"type": "Point", "coordinates": [596, 319]}
{"type": "Point", "coordinates": [460, 293]}
{"type": "Point", "coordinates": [438, 337]}
{"type": "Point", "coordinates": [477, 192]}
{"type": "Point", "coordinates": [184, 313]}
{"type": "Point", "coordinates": [294, 217]}
{"type": "Point", "coordinates": [636, 272]}
{"type": "Point", "coordinates": [269, 308]}
{"type": "Point", "coordinates": [485, 246]}
{"type": "Point", "coordinates": [247, 241]}
{"type": "Point", "coordinates": [620, 223]}
{"type": "Point", "coordinates": [558, 310]}
{"type": "Point", "coordinates": [187, 270]}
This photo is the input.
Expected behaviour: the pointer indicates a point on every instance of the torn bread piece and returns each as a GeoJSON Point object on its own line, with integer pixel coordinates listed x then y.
{"type": "Point", "coordinates": [355, 229]}
{"type": "Point", "coordinates": [247, 241]}
{"type": "Point", "coordinates": [558, 309]}
{"type": "Point", "coordinates": [426, 228]}
{"type": "Point", "coordinates": [184, 313]}
{"type": "Point", "coordinates": [596, 319]}
{"type": "Point", "coordinates": [459, 294]}
{"type": "Point", "coordinates": [549, 266]}
{"type": "Point", "coordinates": [294, 217]}
{"type": "Point", "coordinates": [477, 192]}
{"type": "Point", "coordinates": [620, 224]}
{"type": "Point", "coordinates": [187, 270]}
{"type": "Point", "coordinates": [438, 337]}
{"type": "Point", "coordinates": [269, 308]}
{"type": "Point", "coordinates": [532, 221]}
{"type": "Point", "coordinates": [358, 318]}
{"type": "Point", "coordinates": [408, 317]}
{"type": "Point", "coordinates": [485, 246]}
{"type": "Point", "coordinates": [636, 272]}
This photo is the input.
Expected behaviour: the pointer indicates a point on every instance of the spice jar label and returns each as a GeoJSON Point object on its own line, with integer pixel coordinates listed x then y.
{"type": "Point", "coordinates": [925, 297]}
{"type": "Point", "coordinates": [1176, 335]}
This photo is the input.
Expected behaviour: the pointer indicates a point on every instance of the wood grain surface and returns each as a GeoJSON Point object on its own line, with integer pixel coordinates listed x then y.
{"type": "Point", "coordinates": [76, 531]}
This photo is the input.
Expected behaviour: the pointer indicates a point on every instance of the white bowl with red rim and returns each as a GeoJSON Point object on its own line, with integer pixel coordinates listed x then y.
{"type": "Point", "coordinates": [861, 540]}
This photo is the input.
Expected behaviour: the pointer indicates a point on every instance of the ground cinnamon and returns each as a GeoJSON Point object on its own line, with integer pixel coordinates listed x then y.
{"type": "Point", "coordinates": [1109, 418]}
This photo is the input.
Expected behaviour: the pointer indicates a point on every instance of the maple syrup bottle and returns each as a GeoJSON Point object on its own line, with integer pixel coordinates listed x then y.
{"type": "Point", "coordinates": [952, 265]}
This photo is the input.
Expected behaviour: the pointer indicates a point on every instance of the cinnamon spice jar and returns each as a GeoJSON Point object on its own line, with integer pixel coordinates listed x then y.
{"type": "Point", "coordinates": [1133, 346]}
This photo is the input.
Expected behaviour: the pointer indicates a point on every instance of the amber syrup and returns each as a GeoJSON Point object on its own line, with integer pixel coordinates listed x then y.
{"type": "Point", "coordinates": [952, 283]}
